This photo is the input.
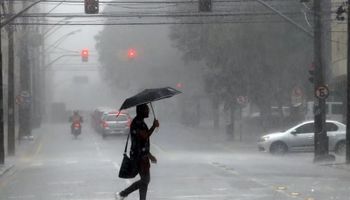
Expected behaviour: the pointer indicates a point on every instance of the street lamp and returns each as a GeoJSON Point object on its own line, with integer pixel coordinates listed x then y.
{"type": "Point", "coordinates": [61, 39]}
{"type": "Point", "coordinates": [58, 25]}
{"type": "Point", "coordinates": [44, 67]}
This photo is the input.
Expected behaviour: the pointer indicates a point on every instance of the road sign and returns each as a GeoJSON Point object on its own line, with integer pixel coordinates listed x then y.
{"type": "Point", "coordinates": [24, 99]}
{"type": "Point", "coordinates": [296, 96]}
{"type": "Point", "coordinates": [242, 100]}
{"type": "Point", "coordinates": [18, 99]}
{"type": "Point", "coordinates": [322, 92]}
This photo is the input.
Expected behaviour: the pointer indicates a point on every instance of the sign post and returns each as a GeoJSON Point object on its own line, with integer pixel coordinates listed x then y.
{"type": "Point", "coordinates": [242, 101]}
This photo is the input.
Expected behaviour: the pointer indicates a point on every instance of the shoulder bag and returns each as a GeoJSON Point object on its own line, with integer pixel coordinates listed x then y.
{"type": "Point", "coordinates": [128, 168]}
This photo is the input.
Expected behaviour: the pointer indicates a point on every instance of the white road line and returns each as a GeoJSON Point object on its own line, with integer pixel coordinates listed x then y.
{"type": "Point", "coordinates": [199, 196]}
{"type": "Point", "coordinates": [92, 199]}
{"type": "Point", "coordinates": [37, 164]}
{"type": "Point", "coordinates": [66, 183]}
{"type": "Point", "coordinates": [62, 194]}
{"type": "Point", "coordinates": [103, 193]}
{"type": "Point", "coordinates": [22, 197]}
{"type": "Point", "coordinates": [106, 160]}
{"type": "Point", "coordinates": [219, 189]}
{"type": "Point", "coordinates": [71, 161]}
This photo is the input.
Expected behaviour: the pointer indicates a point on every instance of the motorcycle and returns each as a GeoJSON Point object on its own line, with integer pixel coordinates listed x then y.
{"type": "Point", "coordinates": [76, 129]}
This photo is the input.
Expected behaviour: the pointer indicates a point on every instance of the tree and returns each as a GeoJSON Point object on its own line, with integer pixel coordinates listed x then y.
{"type": "Point", "coordinates": [261, 60]}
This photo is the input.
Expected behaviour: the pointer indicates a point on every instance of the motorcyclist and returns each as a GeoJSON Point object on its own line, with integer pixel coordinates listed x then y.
{"type": "Point", "coordinates": [75, 118]}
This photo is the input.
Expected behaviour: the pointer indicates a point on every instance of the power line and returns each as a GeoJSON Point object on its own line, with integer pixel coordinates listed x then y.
{"type": "Point", "coordinates": [167, 14]}
{"type": "Point", "coordinates": [147, 23]}
{"type": "Point", "coordinates": [151, 2]}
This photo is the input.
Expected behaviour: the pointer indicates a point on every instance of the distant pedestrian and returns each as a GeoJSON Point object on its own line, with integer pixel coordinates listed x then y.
{"type": "Point", "coordinates": [140, 151]}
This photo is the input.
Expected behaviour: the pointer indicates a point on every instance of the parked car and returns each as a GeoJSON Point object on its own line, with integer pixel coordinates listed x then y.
{"type": "Point", "coordinates": [115, 123]}
{"type": "Point", "coordinates": [301, 138]}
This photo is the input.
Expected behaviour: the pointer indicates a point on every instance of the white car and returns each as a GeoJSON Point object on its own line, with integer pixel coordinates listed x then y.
{"type": "Point", "coordinates": [301, 138]}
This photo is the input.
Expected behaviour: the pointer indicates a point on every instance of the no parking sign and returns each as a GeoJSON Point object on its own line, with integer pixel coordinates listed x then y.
{"type": "Point", "coordinates": [242, 100]}
{"type": "Point", "coordinates": [322, 92]}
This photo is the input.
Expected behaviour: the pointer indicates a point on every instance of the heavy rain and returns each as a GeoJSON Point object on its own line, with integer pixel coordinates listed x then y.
{"type": "Point", "coordinates": [206, 99]}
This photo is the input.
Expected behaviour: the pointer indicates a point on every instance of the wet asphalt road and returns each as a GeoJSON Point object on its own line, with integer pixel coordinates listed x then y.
{"type": "Point", "coordinates": [192, 164]}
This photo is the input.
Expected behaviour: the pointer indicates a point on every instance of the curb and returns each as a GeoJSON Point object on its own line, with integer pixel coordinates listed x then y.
{"type": "Point", "coordinates": [5, 168]}
{"type": "Point", "coordinates": [341, 166]}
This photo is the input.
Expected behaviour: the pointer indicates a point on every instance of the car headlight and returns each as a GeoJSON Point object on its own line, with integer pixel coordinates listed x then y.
{"type": "Point", "coordinates": [263, 138]}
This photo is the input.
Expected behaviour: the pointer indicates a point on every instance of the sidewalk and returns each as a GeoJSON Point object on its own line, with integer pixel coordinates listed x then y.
{"type": "Point", "coordinates": [342, 165]}
{"type": "Point", "coordinates": [9, 164]}
{"type": "Point", "coordinates": [22, 147]}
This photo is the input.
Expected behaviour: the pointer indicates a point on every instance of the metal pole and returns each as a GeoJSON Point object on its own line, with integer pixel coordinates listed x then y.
{"type": "Point", "coordinates": [2, 148]}
{"type": "Point", "coordinates": [25, 84]}
{"type": "Point", "coordinates": [348, 95]}
{"type": "Point", "coordinates": [11, 89]}
{"type": "Point", "coordinates": [154, 115]}
{"type": "Point", "coordinates": [318, 68]}
{"type": "Point", "coordinates": [288, 19]}
{"type": "Point", "coordinates": [18, 14]}
{"type": "Point", "coordinates": [320, 50]}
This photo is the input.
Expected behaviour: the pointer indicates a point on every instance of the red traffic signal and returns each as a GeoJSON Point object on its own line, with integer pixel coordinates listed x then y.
{"type": "Point", "coordinates": [84, 55]}
{"type": "Point", "coordinates": [312, 73]}
{"type": "Point", "coordinates": [179, 85]}
{"type": "Point", "coordinates": [132, 53]}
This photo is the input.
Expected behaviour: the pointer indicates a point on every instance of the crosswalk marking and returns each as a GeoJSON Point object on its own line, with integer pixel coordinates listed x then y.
{"type": "Point", "coordinates": [66, 183]}
{"type": "Point", "coordinates": [22, 197]}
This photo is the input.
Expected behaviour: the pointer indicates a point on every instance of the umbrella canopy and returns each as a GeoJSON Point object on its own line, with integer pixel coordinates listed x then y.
{"type": "Point", "coordinates": [148, 96]}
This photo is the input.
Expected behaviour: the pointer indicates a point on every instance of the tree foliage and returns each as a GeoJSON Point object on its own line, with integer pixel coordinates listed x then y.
{"type": "Point", "coordinates": [261, 60]}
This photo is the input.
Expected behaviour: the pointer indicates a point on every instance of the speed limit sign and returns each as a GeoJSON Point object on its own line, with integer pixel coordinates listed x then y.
{"type": "Point", "coordinates": [322, 92]}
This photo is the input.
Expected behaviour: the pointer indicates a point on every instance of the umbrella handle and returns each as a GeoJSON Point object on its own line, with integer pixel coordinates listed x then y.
{"type": "Point", "coordinates": [156, 130]}
{"type": "Point", "coordinates": [154, 115]}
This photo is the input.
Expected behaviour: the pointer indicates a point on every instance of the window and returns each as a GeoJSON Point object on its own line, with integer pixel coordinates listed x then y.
{"type": "Point", "coordinates": [306, 128]}
{"type": "Point", "coordinates": [113, 118]}
{"type": "Point", "coordinates": [331, 127]}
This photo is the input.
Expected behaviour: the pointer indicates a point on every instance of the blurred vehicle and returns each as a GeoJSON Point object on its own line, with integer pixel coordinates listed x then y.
{"type": "Point", "coordinates": [76, 129]}
{"type": "Point", "coordinates": [115, 123]}
{"type": "Point", "coordinates": [301, 138]}
{"type": "Point", "coordinates": [76, 119]}
{"type": "Point", "coordinates": [96, 117]}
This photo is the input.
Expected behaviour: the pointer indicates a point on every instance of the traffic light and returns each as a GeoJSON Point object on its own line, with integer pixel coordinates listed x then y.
{"type": "Point", "coordinates": [179, 85]}
{"type": "Point", "coordinates": [91, 6]}
{"type": "Point", "coordinates": [84, 55]}
{"type": "Point", "coordinates": [132, 53]}
{"type": "Point", "coordinates": [204, 5]}
{"type": "Point", "coordinates": [312, 73]}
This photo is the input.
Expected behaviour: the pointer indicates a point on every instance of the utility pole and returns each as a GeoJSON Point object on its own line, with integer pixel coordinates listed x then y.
{"type": "Point", "coordinates": [321, 90]}
{"type": "Point", "coordinates": [25, 110]}
{"type": "Point", "coordinates": [2, 25]}
{"type": "Point", "coordinates": [2, 146]}
{"type": "Point", "coordinates": [11, 89]}
{"type": "Point", "coordinates": [348, 94]}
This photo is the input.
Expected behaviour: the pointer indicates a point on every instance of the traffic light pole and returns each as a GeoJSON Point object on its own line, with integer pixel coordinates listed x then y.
{"type": "Point", "coordinates": [348, 95]}
{"type": "Point", "coordinates": [321, 152]}
{"type": "Point", "coordinates": [11, 139]}
{"type": "Point", "coordinates": [2, 145]}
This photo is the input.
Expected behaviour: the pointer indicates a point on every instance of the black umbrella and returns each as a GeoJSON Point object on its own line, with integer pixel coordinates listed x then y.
{"type": "Point", "coordinates": [148, 96]}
